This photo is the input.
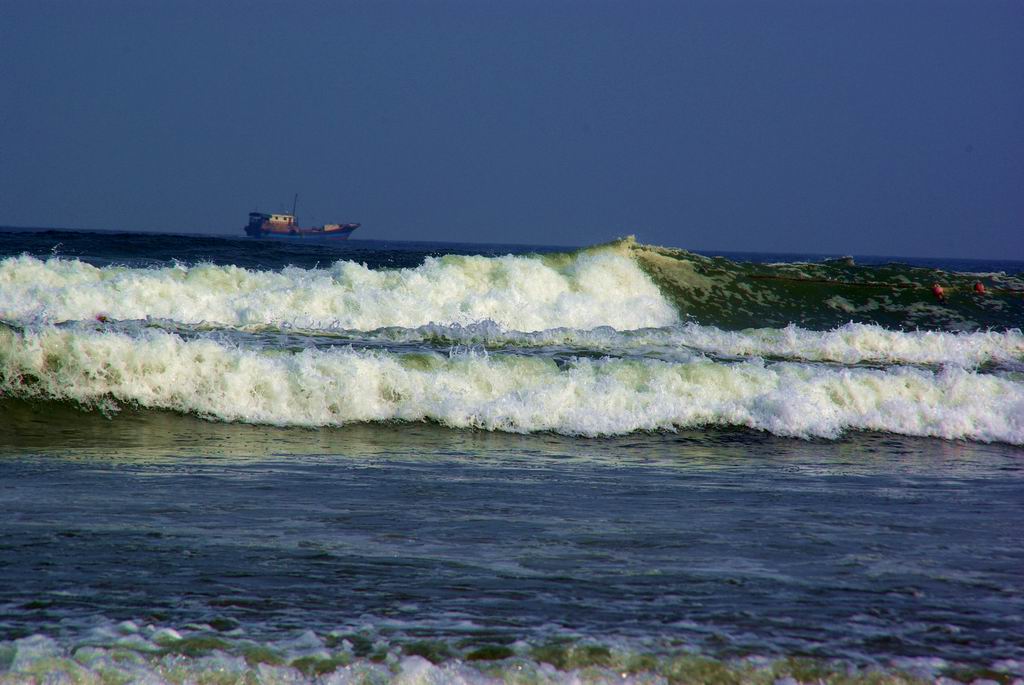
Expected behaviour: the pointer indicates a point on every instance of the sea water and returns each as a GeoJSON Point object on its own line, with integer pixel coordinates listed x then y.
{"type": "Point", "coordinates": [225, 460]}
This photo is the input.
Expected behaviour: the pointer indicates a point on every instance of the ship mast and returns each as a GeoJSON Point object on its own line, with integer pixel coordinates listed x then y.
{"type": "Point", "coordinates": [295, 202]}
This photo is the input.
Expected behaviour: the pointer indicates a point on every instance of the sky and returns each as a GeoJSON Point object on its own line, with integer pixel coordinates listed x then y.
{"type": "Point", "coordinates": [830, 127]}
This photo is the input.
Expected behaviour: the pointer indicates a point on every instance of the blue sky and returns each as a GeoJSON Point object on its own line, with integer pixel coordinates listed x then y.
{"type": "Point", "coordinates": [830, 127]}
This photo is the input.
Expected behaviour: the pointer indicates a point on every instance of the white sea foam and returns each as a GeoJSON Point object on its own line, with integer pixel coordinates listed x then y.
{"type": "Point", "coordinates": [855, 343]}
{"type": "Point", "coordinates": [851, 343]}
{"type": "Point", "coordinates": [600, 286]}
{"type": "Point", "coordinates": [227, 658]}
{"type": "Point", "coordinates": [334, 386]}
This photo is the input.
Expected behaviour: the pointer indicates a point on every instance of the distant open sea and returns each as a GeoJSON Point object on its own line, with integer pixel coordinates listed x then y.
{"type": "Point", "coordinates": [225, 460]}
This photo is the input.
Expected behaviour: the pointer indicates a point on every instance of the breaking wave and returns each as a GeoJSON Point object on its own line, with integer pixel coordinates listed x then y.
{"type": "Point", "coordinates": [578, 396]}
{"type": "Point", "coordinates": [732, 295]}
{"type": "Point", "coordinates": [623, 284]}
{"type": "Point", "coordinates": [596, 287]}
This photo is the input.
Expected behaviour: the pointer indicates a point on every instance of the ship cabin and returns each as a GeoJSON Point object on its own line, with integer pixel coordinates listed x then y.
{"type": "Point", "coordinates": [282, 220]}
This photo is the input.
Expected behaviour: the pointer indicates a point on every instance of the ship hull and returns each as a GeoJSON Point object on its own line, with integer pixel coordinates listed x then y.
{"type": "Point", "coordinates": [332, 234]}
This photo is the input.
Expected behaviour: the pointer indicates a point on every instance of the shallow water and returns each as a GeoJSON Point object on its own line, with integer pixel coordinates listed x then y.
{"type": "Point", "coordinates": [735, 542]}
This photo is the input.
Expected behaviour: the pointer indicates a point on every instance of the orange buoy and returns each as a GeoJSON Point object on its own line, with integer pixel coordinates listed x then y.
{"type": "Point", "coordinates": [938, 292]}
{"type": "Point", "coordinates": [979, 288]}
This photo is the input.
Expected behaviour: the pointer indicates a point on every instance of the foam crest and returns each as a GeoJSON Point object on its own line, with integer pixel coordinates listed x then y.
{"type": "Point", "coordinates": [335, 386]}
{"type": "Point", "coordinates": [855, 343]}
{"type": "Point", "coordinates": [595, 287]}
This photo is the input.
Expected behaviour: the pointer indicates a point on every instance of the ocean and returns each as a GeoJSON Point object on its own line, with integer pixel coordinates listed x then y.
{"type": "Point", "coordinates": [234, 461]}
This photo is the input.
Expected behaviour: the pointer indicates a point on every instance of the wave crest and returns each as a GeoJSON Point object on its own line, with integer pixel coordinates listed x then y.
{"type": "Point", "coordinates": [594, 287]}
{"type": "Point", "coordinates": [736, 295]}
{"type": "Point", "coordinates": [336, 386]}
